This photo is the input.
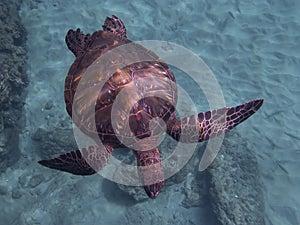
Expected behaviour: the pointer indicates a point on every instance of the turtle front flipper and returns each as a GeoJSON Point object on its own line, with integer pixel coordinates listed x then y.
{"type": "Point", "coordinates": [209, 124]}
{"type": "Point", "coordinates": [86, 161]}
{"type": "Point", "coordinates": [77, 42]}
{"type": "Point", "coordinates": [115, 26]}
{"type": "Point", "coordinates": [150, 171]}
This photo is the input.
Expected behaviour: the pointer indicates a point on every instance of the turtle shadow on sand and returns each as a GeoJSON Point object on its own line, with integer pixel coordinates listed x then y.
{"type": "Point", "coordinates": [235, 166]}
{"type": "Point", "coordinates": [116, 195]}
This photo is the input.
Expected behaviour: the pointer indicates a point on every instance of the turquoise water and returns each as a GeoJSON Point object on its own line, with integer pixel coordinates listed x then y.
{"type": "Point", "coordinates": [252, 48]}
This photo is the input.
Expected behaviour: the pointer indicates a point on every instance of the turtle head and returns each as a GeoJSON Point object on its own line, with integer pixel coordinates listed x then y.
{"type": "Point", "coordinates": [153, 189]}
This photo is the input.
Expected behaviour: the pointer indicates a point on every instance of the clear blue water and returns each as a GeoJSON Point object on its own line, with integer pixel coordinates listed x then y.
{"type": "Point", "coordinates": [252, 48]}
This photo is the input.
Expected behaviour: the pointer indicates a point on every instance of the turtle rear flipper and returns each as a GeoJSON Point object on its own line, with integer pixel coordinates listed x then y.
{"type": "Point", "coordinates": [150, 171]}
{"type": "Point", "coordinates": [80, 162]}
{"type": "Point", "coordinates": [209, 124]}
{"type": "Point", "coordinates": [77, 42]}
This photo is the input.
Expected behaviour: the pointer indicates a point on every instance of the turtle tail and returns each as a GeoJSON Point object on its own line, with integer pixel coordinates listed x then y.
{"type": "Point", "coordinates": [209, 124]}
{"type": "Point", "coordinates": [115, 26]}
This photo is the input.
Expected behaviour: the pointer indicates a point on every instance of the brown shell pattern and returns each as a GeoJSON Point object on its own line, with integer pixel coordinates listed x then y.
{"type": "Point", "coordinates": [89, 108]}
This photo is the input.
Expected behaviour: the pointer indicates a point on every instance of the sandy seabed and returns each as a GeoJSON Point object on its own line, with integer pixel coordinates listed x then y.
{"type": "Point", "coordinates": [251, 46]}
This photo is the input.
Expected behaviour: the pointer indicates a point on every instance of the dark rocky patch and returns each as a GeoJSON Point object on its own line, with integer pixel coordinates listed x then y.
{"type": "Point", "coordinates": [234, 184]}
{"type": "Point", "coordinates": [13, 81]}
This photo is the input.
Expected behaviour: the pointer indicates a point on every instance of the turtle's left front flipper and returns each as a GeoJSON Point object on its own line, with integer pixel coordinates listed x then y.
{"type": "Point", "coordinates": [209, 124]}
{"type": "Point", "coordinates": [86, 161]}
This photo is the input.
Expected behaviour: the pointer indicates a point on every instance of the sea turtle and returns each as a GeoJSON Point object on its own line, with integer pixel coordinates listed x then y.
{"type": "Point", "coordinates": [88, 48]}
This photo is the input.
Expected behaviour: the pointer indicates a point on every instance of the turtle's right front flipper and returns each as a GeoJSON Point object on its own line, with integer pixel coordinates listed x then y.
{"type": "Point", "coordinates": [209, 124]}
{"type": "Point", "coordinates": [86, 161]}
